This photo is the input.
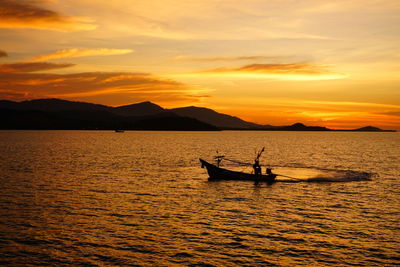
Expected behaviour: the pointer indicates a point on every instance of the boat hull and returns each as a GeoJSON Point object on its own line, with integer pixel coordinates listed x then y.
{"type": "Point", "coordinates": [217, 173]}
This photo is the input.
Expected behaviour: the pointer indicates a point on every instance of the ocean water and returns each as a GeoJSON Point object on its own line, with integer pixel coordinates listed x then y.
{"type": "Point", "coordinates": [100, 198]}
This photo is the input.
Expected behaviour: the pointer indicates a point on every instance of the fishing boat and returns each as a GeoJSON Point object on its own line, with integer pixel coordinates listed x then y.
{"type": "Point", "coordinates": [218, 173]}
{"type": "Point", "coordinates": [119, 131]}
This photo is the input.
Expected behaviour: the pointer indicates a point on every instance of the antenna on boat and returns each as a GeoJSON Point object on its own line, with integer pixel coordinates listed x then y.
{"type": "Point", "coordinates": [218, 158]}
{"type": "Point", "coordinates": [259, 153]}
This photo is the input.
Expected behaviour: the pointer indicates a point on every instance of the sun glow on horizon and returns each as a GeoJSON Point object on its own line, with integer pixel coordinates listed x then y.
{"type": "Point", "coordinates": [271, 62]}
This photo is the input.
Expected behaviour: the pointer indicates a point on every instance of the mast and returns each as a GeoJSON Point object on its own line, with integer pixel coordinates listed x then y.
{"type": "Point", "coordinates": [259, 154]}
{"type": "Point", "coordinates": [218, 158]}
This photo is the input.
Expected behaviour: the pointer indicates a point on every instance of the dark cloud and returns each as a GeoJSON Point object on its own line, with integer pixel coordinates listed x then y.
{"type": "Point", "coordinates": [25, 10]}
{"type": "Point", "coordinates": [3, 54]}
{"type": "Point", "coordinates": [32, 66]}
{"type": "Point", "coordinates": [99, 87]}
{"type": "Point", "coordinates": [28, 14]}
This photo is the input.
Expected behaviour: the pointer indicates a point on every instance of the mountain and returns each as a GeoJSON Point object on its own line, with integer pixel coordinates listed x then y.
{"type": "Point", "coordinates": [52, 104]}
{"type": "Point", "coordinates": [212, 117]}
{"type": "Point", "coordinates": [96, 120]}
{"type": "Point", "coordinates": [140, 109]}
{"type": "Point", "coordinates": [147, 108]}
{"type": "Point", "coordinates": [371, 129]}
{"type": "Point", "coordinates": [7, 104]}
{"type": "Point", "coordinates": [301, 127]}
{"type": "Point", "coordinates": [63, 114]}
{"type": "Point", "coordinates": [34, 119]}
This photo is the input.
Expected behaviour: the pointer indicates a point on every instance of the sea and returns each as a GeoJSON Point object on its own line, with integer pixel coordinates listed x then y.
{"type": "Point", "coordinates": [138, 198]}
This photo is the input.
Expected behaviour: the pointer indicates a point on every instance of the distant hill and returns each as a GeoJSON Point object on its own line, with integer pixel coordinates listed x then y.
{"type": "Point", "coordinates": [7, 104]}
{"type": "Point", "coordinates": [95, 120]}
{"type": "Point", "coordinates": [214, 118]}
{"type": "Point", "coordinates": [140, 109]}
{"type": "Point", "coordinates": [34, 119]}
{"type": "Point", "coordinates": [147, 108]}
{"type": "Point", "coordinates": [301, 127]}
{"type": "Point", "coordinates": [52, 104]}
{"type": "Point", "coordinates": [371, 129]}
{"type": "Point", "coordinates": [63, 114]}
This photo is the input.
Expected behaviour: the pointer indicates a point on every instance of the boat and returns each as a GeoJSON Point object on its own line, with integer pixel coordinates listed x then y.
{"type": "Point", "coordinates": [119, 131]}
{"type": "Point", "coordinates": [217, 173]}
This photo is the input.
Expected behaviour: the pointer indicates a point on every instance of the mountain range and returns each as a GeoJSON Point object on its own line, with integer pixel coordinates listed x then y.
{"type": "Point", "coordinates": [64, 114]}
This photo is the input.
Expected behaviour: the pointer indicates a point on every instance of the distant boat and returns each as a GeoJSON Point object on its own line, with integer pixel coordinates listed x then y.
{"type": "Point", "coordinates": [119, 131]}
{"type": "Point", "coordinates": [217, 173]}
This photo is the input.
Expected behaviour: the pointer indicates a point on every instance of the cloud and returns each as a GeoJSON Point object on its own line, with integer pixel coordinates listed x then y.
{"type": "Point", "coordinates": [3, 54]}
{"type": "Point", "coordinates": [8, 94]}
{"type": "Point", "coordinates": [287, 68]}
{"type": "Point", "coordinates": [216, 59]}
{"type": "Point", "coordinates": [27, 14]}
{"type": "Point", "coordinates": [284, 71]}
{"type": "Point", "coordinates": [207, 20]}
{"type": "Point", "coordinates": [22, 81]}
{"type": "Point", "coordinates": [392, 113]}
{"type": "Point", "coordinates": [24, 67]}
{"type": "Point", "coordinates": [77, 52]}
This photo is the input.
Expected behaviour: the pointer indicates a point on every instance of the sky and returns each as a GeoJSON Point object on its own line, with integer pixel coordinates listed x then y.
{"type": "Point", "coordinates": [277, 62]}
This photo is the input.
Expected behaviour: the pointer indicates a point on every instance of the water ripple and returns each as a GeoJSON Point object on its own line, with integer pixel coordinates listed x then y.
{"type": "Point", "coordinates": [73, 198]}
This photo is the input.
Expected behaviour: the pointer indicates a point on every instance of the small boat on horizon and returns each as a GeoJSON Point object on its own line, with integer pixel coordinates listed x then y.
{"type": "Point", "coordinates": [119, 131]}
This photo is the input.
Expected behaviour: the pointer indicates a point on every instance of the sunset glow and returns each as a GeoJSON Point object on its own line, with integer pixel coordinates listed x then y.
{"type": "Point", "coordinates": [270, 62]}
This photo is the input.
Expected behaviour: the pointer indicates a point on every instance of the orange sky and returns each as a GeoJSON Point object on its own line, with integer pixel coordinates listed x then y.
{"type": "Point", "coordinates": [328, 63]}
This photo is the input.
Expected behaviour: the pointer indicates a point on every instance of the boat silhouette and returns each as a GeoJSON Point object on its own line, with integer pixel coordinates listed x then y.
{"type": "Point", "coordinates": [218, 173]}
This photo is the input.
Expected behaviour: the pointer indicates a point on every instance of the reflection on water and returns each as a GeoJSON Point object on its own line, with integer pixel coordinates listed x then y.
{"type": "Point", "coordinates": [141, 198]}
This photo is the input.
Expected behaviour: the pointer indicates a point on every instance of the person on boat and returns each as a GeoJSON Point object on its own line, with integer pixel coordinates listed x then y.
{"type": "Point", "coordinates": [257, 168]}
{"type": "Point", "coordinates": [269, 171]}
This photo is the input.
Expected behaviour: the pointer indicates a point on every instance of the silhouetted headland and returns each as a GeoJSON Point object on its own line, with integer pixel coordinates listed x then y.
{"type": "Point", "coordinates": [70, 115]}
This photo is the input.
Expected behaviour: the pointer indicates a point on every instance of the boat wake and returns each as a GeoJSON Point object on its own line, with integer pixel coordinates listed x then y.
{"type": "Point", "coordinates": [290, 174]}
{"type": "Point", "coordinates": [312, 174]}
